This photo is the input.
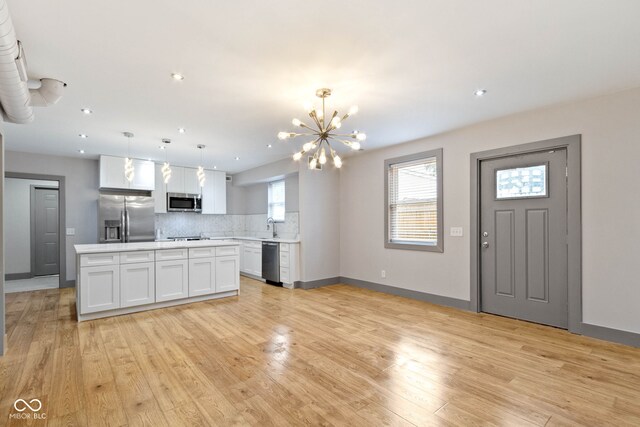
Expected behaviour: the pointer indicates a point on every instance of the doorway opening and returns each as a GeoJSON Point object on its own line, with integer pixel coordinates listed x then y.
{"type": "Point", "coordinates": [526, 232]}
{"type": "Point", "coordinates": [34, 232]}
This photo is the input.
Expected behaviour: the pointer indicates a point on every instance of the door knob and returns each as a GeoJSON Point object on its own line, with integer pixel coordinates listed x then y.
{"type": "Point", "coordinates": [485, 244]}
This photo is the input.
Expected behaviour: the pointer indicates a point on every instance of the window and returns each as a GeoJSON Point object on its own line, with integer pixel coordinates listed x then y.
{"type": "Point", "coordinates": [413, 202]}
{"type": "Point", "coordinates": [275, 207]}
{"type": "Point", "coordinates": [523, 182]}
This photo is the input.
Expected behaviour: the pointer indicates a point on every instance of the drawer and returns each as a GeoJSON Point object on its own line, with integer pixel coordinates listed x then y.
{"type": "Point", "coordinates": [284, 247]}
{"type": "Point", "coordinates": [202, 252]}
{"type": "Point", "coordinates": [91, 260]}
{"type": "Point", "coordinates": [284, 259]}
{"type": "Point", "coordinates": [137, 257]}
{"type": "Point", "coordinates": [169, 254]}
{"type": "Point", "coordinates": [253, 245]}
{"type": "Point", "coordinates": [227, 250]}
{"type": "Point", "coordinates": [284, 275]}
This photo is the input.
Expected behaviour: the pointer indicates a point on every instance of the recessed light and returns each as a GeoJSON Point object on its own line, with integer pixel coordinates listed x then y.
{"type": "Point", "coordinates": [161, 147]}
{"type": "Point", "coordinates": [181, 130]}
{"type": "Point", "coordinates": [480, 92]}
{"type": "Point", "coordinates": [237, 158]}
{"type": "Point", "coordinates": [269, 145]}
{"type": "Point", "coordinates": [86, 111]}
{"type": "Point", "coordinates": [83, 135]}
{"type": "Point", "coordinates": [215, 167]}
{"type": "Point", "coordinates": [177, 76]}
{"type": "Point", "coordinates": [81, 151]}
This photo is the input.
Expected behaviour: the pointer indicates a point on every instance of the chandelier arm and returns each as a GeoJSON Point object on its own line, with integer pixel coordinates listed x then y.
{"type": "Point", "coordinates": [305, 126]}
{"type": "Point", "coordinates": [314, 116]}
{"type": "Point", "coordinates": [347, 143]}
{"type": "Point", "coordinates": [323, 115]}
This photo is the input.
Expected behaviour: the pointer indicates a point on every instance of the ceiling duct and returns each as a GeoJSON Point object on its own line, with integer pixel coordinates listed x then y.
{"type": "Point", "coordinates": [16, 99]}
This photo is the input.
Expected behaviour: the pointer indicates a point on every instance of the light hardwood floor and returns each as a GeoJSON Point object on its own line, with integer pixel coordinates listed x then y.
{"type": "Point", "coordinates": [337, 355]}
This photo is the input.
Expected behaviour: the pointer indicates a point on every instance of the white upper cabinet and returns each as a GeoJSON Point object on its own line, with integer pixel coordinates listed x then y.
{"type": "Point", "coordinates": [214, 193]}
{"type": "Point", "coordinates": [191, 185]}
{"type": "Point", "coordinates": [185, 180]}
{"type": "Point", "coordinates": [112, 174]}
{"type": "Point", "coordinates": [176, 183]}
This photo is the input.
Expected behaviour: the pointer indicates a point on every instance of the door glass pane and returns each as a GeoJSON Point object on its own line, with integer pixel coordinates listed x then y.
{"type": "Point", "coordinates": [530, 181]}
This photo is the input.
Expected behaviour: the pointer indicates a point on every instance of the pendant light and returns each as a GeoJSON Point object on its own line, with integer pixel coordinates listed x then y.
{"type": "Point", "coordinates": [166, 168]}
{"type": "Point", "coordinates": [201, 175]}
{"type": "Point", "coordinates": [129, 170]}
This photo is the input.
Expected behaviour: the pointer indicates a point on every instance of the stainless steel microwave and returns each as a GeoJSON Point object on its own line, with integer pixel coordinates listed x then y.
{"type": "Point", "coordinates": [181, 202]}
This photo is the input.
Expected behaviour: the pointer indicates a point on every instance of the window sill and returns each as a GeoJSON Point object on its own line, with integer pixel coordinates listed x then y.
{"type": "Point", "coordinates": [439, 247]}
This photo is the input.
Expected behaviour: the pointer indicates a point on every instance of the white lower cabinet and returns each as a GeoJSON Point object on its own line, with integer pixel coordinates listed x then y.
{"type": "Point", "coordinates": [117, 283]}
{"type": "Point", "coordinates": [202, 276]}
{"type": "Point", "coordinates": [227, 278]}
{"type": "Point", "coordinates": [137, 284]}
{"type": "Point", "coordinates": [172, 280]}
{"type": "Point", "coordinates": [252, 258]}
{"type": "Point", "coordinates": [100, 288]}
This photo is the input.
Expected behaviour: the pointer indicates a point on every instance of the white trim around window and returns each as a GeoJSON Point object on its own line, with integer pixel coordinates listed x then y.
{"type": "Point", "coordinates": [276, 200]}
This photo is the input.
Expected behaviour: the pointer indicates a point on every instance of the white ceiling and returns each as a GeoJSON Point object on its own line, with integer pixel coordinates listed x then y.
{"type": "Point", "coordinates": [411, 65]}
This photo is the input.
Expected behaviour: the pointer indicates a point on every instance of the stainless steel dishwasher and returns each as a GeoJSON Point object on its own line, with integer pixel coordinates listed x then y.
{"type": "Point", "coordinates": [271, 262]}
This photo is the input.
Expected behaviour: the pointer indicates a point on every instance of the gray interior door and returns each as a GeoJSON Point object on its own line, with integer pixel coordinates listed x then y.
{"type": "Point", "coordinates": [523, 234]}
{"type": "Point", "coordinates": [46, 250]}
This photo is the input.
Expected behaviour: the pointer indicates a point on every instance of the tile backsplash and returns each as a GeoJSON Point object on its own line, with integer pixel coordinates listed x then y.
{"type": "Point", "coordinates": [191, 224]}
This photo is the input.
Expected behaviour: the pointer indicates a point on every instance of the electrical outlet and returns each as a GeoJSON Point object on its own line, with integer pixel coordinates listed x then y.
{"type": "Point", "coordinates": [383, 274]}
{"type": "Point", "coordinates": [456, 231]}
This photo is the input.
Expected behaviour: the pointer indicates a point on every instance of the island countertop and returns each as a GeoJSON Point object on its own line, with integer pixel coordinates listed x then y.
{"type": "Point", "coordinates": [149, 246]}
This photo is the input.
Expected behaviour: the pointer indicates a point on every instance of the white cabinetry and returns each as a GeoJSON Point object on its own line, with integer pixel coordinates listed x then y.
{"type": "Point", "coordinates": [100, 288]}
{"type": "Point", "coordinates": [183, 180]}
{"type": "Point", "coordinates": [137, 284]}
{"type": "Point", "coordinates": [176, 183]}
{"type": "Point", "coordinates": [191, 183]}
{"type": "Point", "coordinates": [289, 262]}
{"type": "Point", "coordinates": [202, 276]}
{"type": "Point", "coordinates": [112, 174]}
{"type": "Point", "coordinates": [214, 193]}
{"type": "Point", "coordinates": [227, 278]}
{"type": "Point", "coordinates": [172, 279]}
{"type": "Point", "coordinates": [252, 258]}
{"type": "Point", "coordinates": [111, 283]}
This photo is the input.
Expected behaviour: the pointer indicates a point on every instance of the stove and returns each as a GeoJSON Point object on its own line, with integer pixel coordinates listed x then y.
{"type": "Point", "coordinates": [187, 238]}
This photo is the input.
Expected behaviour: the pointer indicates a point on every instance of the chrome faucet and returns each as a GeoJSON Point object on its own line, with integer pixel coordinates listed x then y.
{"type": "Point", "coordinates": [271, 221]}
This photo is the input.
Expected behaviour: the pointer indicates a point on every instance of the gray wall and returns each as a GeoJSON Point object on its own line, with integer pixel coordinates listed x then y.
{"type": "Point", "coordinates": [319, 223]}
{"type": "Point", "coordinates": [610, 206]}
{"type": "Point", "coordinates": [82, 181]}
{"type": "Point", "coordinates": [17, 220]}
{"type": "Point", "coordinates": [252, 199]}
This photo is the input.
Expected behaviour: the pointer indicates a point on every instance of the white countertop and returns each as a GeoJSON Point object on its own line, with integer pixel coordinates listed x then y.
{"type": "Point", "coordinates": [150, 246]}
{"type": "Point", "coordinates": [277, 239]}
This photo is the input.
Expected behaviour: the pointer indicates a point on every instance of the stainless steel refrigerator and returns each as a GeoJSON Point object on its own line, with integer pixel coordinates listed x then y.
{"type": "Point", "coordinates": [126, 219]}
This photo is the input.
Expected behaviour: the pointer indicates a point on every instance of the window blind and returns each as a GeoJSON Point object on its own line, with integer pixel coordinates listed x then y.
{"type": "Point", "coordinates": [276, 206]}
{"type": "Point", "coordinates": [413, 202]}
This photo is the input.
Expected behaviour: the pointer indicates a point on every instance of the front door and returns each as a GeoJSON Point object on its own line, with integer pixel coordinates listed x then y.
{"type": "Point", "coordinates": [523, 234]}
{"type": "Point", "coordinates": [46, 240]}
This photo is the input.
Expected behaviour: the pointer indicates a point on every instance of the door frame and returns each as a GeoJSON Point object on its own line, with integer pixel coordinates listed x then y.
{"type": "Point", "coordinates": [572, 144]}
{"type": "Point", "coordinates": [62, 220]}
{"type": "Point", "coordinates": [32, 195]}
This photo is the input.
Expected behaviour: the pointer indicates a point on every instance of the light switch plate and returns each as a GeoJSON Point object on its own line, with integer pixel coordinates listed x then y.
{"type": "Point", "coordinates": [71, 231]}
{"type": "Point", "coordinates": [456, 231]}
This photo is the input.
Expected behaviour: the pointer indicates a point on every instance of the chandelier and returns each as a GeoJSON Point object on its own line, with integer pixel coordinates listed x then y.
{"type": "Point", "coordinates": [323, 131]}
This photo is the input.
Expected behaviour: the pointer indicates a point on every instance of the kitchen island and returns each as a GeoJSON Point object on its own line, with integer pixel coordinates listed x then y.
{"type": "Point", "coordinates": [122, 278]}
